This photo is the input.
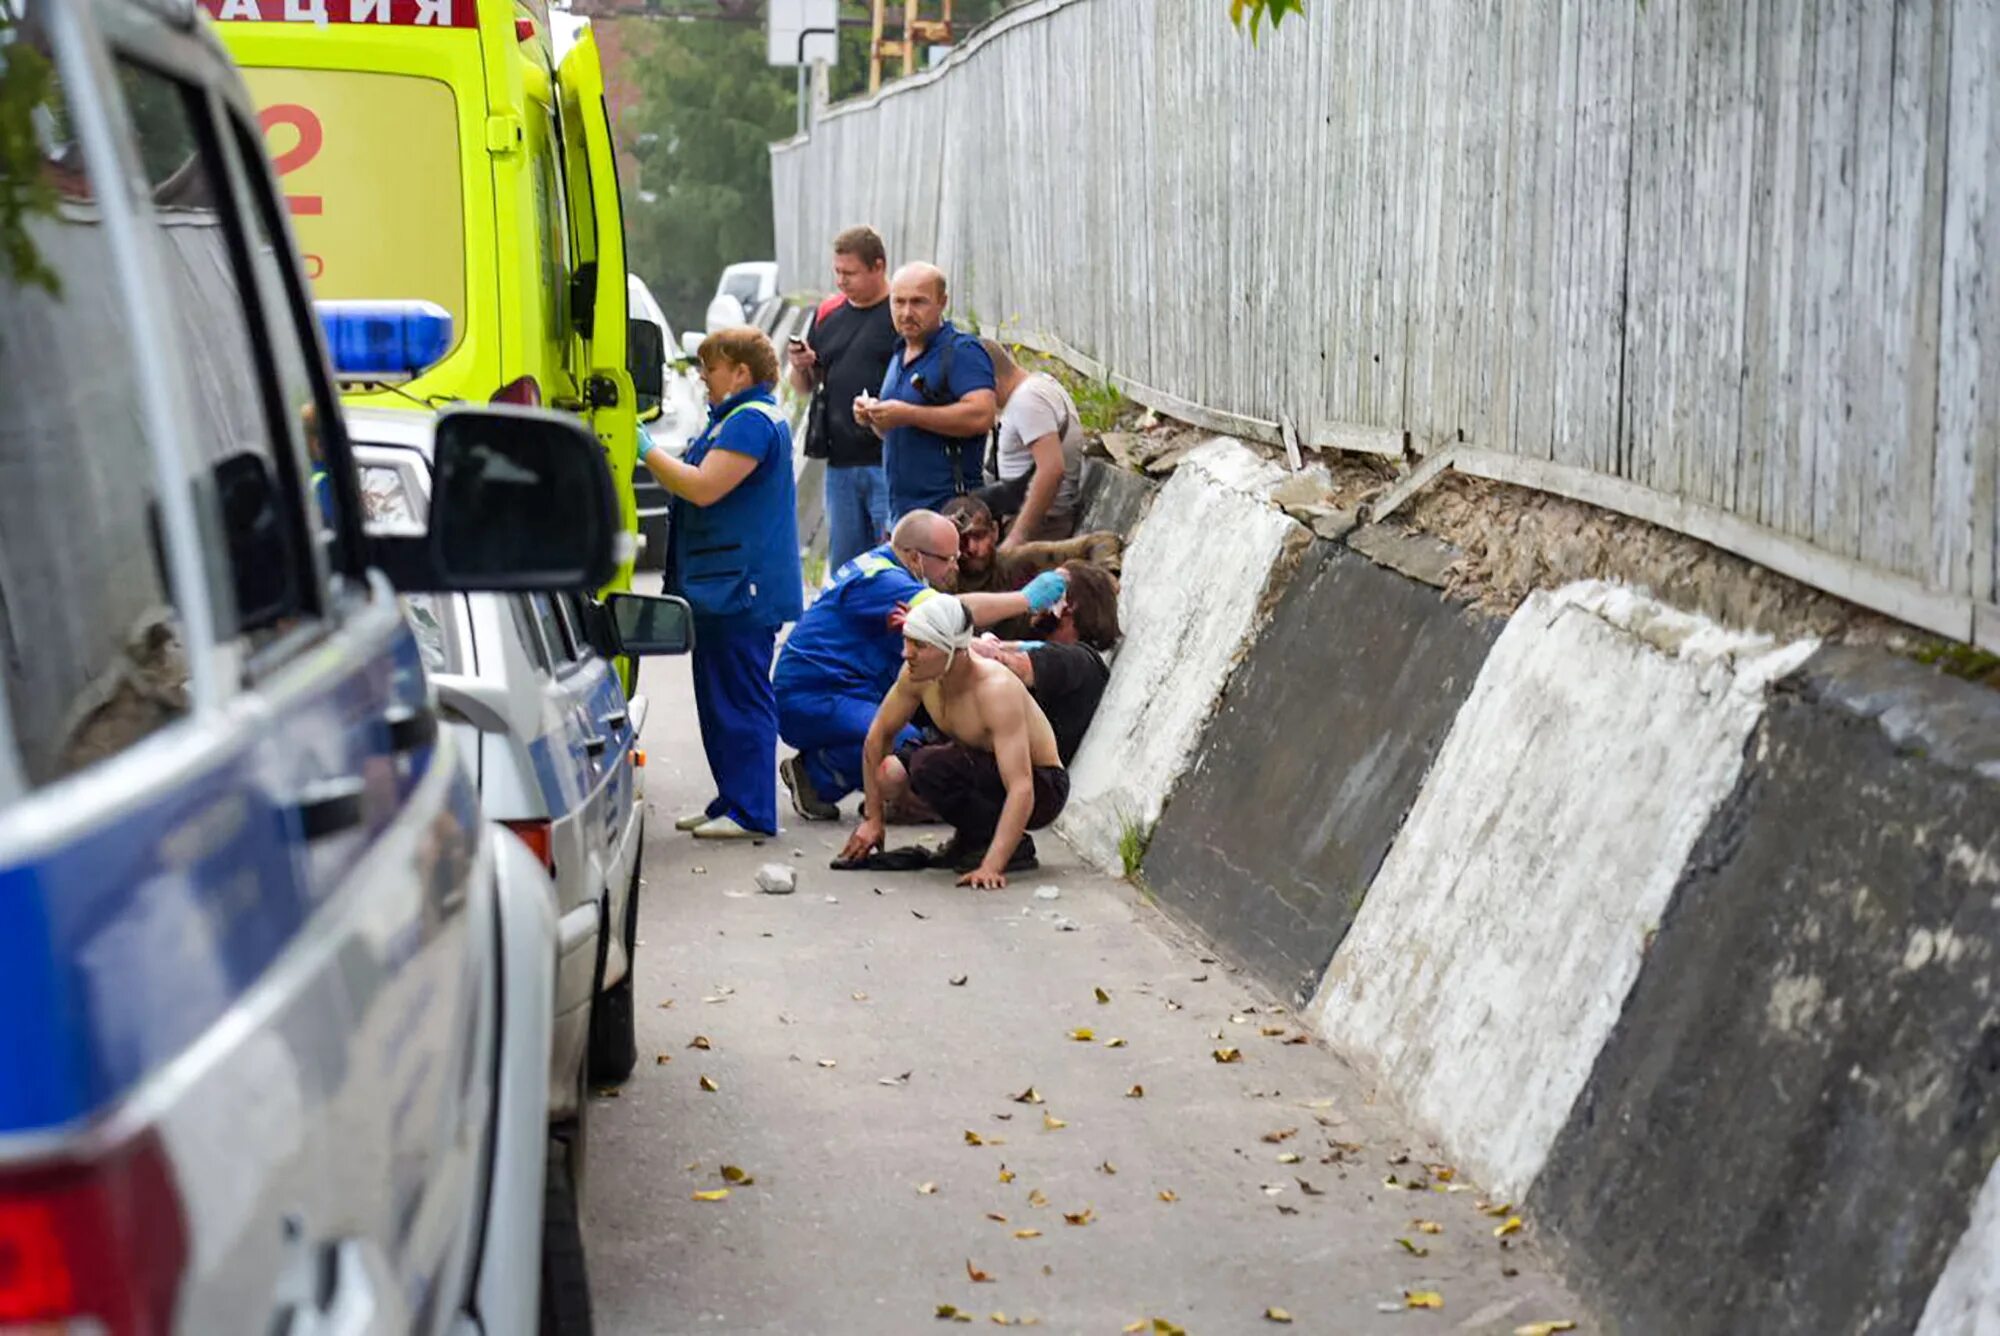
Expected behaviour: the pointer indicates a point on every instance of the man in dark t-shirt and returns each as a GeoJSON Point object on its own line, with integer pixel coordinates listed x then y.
{"type": "Point", "coordinates": [1066, 671]}
{"type": "Point", "coordinates": [846, 354]}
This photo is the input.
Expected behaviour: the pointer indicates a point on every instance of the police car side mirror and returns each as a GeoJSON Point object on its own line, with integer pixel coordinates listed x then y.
{"type": "Point", "coordinates": [521, 501]}
{"type": "Point", "coordinates": [652, 623]}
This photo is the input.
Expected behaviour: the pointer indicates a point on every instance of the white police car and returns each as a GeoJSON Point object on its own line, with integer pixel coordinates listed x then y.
{"type": "Point", "coordinates": [275, 1000]}
{"type": "Point", "coordinates": [554, 742]}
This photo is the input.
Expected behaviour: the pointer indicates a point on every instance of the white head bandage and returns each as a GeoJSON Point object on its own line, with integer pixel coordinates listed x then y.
{"type": "Point", "coordinates": [941, 621]}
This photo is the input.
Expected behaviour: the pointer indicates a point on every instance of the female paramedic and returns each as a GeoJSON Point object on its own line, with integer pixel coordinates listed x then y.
{"type": "Point", "coordinates": [734, 556]}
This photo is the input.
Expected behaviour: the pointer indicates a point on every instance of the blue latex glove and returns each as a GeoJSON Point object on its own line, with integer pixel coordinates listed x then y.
{"type": "Point", "coordinates": [1046, 590]}
{"type": "Point", "coordinates": [646, 443]}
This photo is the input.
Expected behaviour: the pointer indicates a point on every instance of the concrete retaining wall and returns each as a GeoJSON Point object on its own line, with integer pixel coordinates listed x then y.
{"type": "Point", "coordinates": [1789, 1126]}
{"type": "Point", "coordinates": [1111, 498]}
{"type": "Point", "coordinates": [1686, 937]}
{"type": "Point", "coordinates": [1277, 831]}
{"type": "Point", "coordinates": [1496, 946]}
{"type": "Point", "coordinates": [1196, 580]}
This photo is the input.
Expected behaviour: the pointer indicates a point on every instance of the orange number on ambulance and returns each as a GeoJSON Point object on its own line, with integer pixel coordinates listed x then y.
{"type": "Point", "coordinates": [311, 138]}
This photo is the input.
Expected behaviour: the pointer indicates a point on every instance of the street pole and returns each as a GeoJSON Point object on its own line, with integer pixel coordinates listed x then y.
{"type": "Point", "coordinates": [909, 38]}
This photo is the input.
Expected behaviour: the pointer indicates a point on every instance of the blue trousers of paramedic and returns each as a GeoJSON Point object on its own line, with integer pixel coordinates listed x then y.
{"type": "Point", "coordinates": [739, 720]}
{"type": "Point", "coordinates": [829, 731]}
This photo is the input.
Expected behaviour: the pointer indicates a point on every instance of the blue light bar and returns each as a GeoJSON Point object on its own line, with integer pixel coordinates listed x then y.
{"type": "Point", "coordinates": [384, 341]}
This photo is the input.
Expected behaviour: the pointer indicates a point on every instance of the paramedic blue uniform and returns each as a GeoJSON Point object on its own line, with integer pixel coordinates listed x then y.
{"type": "Point", "coordinates": [926, 470]}
{"type": "Point", "coordinates": [736, 562]}
{"type": "Point", "coordinates": [838, 664]}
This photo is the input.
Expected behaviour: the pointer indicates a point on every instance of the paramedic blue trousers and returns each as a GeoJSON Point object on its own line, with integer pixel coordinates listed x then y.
{"type": "Point", "coordinates": [829, 729]}
{"type": "Point", "coordinates": [739, 720]}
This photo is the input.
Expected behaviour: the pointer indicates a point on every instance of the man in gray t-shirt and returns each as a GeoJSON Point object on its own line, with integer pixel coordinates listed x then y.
{"type": "Point", "coordinates": [1040, 454]}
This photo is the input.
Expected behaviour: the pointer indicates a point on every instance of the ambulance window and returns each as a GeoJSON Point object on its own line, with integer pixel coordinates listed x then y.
{"type": "Point", "coordinates": [258, 486]}
{"type": "Point", "coordinates": [552, 235]}
{"type": "Point", "coordinates": [92, 656]}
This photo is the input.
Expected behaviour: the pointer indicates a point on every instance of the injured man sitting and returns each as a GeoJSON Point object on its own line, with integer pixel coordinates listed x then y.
{"type": "Point", "coordinates": [998, 777]}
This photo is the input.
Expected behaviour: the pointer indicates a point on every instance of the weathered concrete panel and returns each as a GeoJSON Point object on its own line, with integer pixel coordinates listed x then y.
{"type": "Point", "coordinates": [1194, 588]}
{"type": "Point", "coordinates": [1277, 831]}
{"type": "Point", "coordinates": [1496, 947]}
{"type": "Point", "coordinates": [1788, 1128]}
{"type": "Point", "coordinates": [1966, 1301]}
{"type": "Point", "coordinates": [1112, 498]}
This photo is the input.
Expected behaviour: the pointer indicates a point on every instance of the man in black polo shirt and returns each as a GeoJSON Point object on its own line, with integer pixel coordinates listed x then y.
{"type": "Point", "coordinates": [847, 354]}
{"type": "Point", "coordinates": [1065, 671]}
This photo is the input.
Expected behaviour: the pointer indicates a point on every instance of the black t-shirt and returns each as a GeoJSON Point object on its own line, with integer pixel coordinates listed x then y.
{"type": "Point", "coordinates": [854, 345]}
{"type": "Point", "coordinates": [1069, 681]}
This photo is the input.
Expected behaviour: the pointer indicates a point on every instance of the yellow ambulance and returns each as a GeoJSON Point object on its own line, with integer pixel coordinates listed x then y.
{"type": "Point", "coordinates": [435, 154]}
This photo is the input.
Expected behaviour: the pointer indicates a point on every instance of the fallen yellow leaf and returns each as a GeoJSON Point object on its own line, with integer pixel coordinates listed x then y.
{"type": "Point", "coordinates": [1083, 1217]}
{"type": "Point", "coordinates": [1102, 996]}
{"type": "Point", "coordinates": [714, 1194]}
{"type": "Point", "coordinates": [1136, 1092]}
{"type": "Point", "coordinates": [700, 1041]}
{"type": "Point", "coordinates": [1107, 1168]}
{"type": "Point", "coordinates": [708, 1084]}
{"type": "Point", "coordinates": [1083, 1035]}
{"type": "Point", "coordinates": [1028, 1096]}
{"type": "Point", "coordinates": [1512, 1225]}
{"type": "Point", "coordinates": [827, 1062]}
{"type": "Point", "coordinates": [1038, 1198]}
{"type": "Point", "coordinates": [667, 1005]}
{"type": "Point", "coordinates": [1050, 1122]}
{"type": "Point", "coordinates": [974, 1139]}
{"type": "Point", "coordinates": [1422, 1299]}
{"type": "Point", "coordinates": [1282, 1134]}
{"type": "Point", "coordinates": [1544, 1328]}
{"type": "Point", "coordinates": [859, 997]}
{"type": "Point", "coordinates": [927, 1189]}
{"type": "Point", "coordinates": [1169, 1196]}
{"type": "Point", "coordinates": [1228, 1055]}
{"type": "Point", "coordinates": [731, 1174]}
{"type": "Point", "coordinates": [1027, 1233]}
{"type": "Point", "coordinates": [1289, 1157]}
{"type": "Point", "coordinates": [1114, 1043]}
{"type": "Point", "coordinates": [1427, 1226]}
{"type": "Point", "coordinates": [1271, 1031]}
{"type": "Point", "coordinates": [949, 1312]}
{"type": "Point", "coordinates": [662, 1059]}
{"type": "Point", "coordinates": [978, 1277]}
{"type": "Point", "coordinates": [1001, 1320]}
{"type": "Point", "coordinates": [1494, 1208]}
{"type": "Point", "coordinates": [1140, 1325]}
{"type": "Point", "coordinates": [1162, 1327]}
{"type": "Point", "coordinates": [1276, 1315]}
{"type": "Point", "coordinates": [1413, 1250]}
{"type": "Point", "coordinates": [1006, 1174]}
{"type": "Point", "coordinates": [995, 1215]}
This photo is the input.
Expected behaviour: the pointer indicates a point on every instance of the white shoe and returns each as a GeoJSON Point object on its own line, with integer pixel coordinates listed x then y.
{"type": "Point", "coordinates": [692, 821]}
{"type": "Point", "coordinates": [725, 828]}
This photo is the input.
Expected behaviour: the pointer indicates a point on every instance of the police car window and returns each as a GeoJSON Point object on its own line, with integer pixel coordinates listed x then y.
{"type": "Point", "coordinates": [293, 344]}
{"type": "Point", "coordinates": [571, 607]}
{"type": "Point", "coordinates": [91, 649]}
{"type": "Point", "coordinates": [258, 488]}
{"type": "Point", "coordinates": [549, 622]}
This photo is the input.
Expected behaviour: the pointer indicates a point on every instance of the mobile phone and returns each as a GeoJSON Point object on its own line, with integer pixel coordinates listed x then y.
{"type": "Point", "coordinates": [796, 341]}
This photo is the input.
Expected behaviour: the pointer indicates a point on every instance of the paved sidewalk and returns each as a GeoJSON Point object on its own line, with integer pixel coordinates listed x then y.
{"type": "Point", "coordinates": [863, 1031]}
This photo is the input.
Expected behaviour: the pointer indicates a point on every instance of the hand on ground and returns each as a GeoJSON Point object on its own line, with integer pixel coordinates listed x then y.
{"type": "Point", "coordinates": [984, 880]}
{"type": "Point", "coordinates": [865, 840]}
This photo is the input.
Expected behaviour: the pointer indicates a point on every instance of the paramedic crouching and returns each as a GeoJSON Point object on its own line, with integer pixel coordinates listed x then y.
{"type": "Point", "coordinates": [734, 557]}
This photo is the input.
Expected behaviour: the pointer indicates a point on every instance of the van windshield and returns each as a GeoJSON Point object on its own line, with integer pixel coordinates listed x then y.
{"type": "Point", "coordinates": [369, 163]}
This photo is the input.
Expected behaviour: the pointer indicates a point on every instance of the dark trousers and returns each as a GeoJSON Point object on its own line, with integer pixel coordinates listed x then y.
{"type": "Point", "coordinates": [963, 786]}
{"type": "Point", "coordinates": [739, 720]}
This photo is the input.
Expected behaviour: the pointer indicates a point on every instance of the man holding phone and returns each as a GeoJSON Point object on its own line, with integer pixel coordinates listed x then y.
{"type": "Point", "coordinates": [846, 354]}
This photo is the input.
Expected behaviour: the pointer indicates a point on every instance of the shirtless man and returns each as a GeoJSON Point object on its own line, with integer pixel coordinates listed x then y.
{"type": "Point", "coordinates": [999, 778]}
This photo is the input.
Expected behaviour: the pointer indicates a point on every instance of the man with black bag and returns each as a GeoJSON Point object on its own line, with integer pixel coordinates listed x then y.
{"type": "Point", "coordinates": [844, 355]}
{"type": "Point", "coordinates": [937, 403]}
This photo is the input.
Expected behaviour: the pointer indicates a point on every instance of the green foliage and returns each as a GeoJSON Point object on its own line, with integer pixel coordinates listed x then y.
{"type": "Point", "coordinates": [1133, 837]}
{"type": "Point", "coordinates": [1098, 404]}
{"type": "Point", "coordinates": [27, 85]}
{"type": "Point", "coordinates": [1962, 661]}
{"type": "Point", "coordinates": [708, 107]}
{"type": "Point", "coordinates": [1255, 10]}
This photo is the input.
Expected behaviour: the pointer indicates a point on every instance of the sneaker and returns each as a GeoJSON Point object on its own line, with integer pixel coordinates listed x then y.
{"type": "Point", "coordinates": [725, 828]}
{"type": "Point", "coordinates": [805, 798]}
{"type": "Point", "coordinates": [963, 858]}
{"type": "Point", "coordinates": [691, 821]}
